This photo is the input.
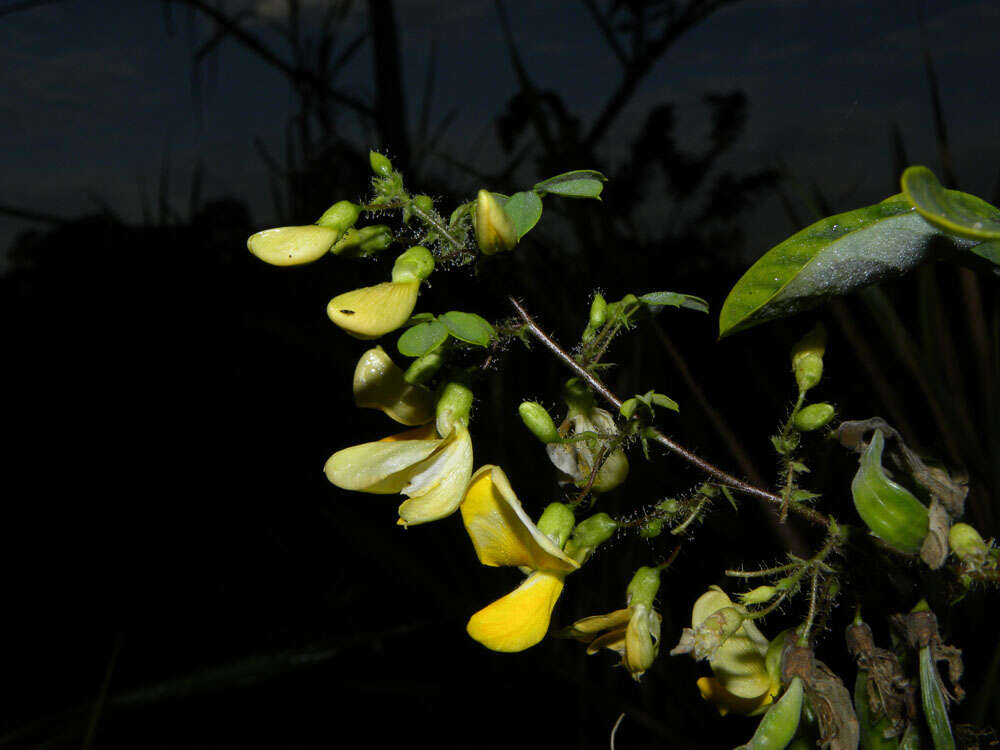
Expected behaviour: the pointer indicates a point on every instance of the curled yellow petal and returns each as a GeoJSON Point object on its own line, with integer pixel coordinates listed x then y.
{"type": "Point", "coordinates": [437, 485]}
{"type": "Point", "coordinates": [712, 690]}
{"type": "Point", "coordinates": [501, 531]}
{"type": "Point", "coordinates": [374, 311]}
{"type": "Point", "coordinates": [292, 246]}
{"type": "Point", "coordinates": [588, 627]}
{"type": "Point", "coordinates": [520, 619]}
{"type": "Point", "coordinates": [382, 468]}
{"type": "Point", "coordinates": [379, 384]}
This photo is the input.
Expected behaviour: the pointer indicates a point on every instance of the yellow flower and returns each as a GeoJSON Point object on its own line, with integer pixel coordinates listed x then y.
{"type": "Point", "coordinates": [292, 246]}
{"type": "Point", "coordinates": [633, 633]}
{"type": "Point", "coordinates": [431, 465]}
{"type": "Point", "coordinates": [379, 384]}
{"type": "Point", "coordinates": [503, 535]}
{"type": "Point", "coordinates": [373, 311]}
{"type": "Point", "coordinates": [742, 681]}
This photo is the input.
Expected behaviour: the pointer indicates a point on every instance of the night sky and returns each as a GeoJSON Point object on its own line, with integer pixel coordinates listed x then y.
{"type": "Point", "coordinates": [176, 570]}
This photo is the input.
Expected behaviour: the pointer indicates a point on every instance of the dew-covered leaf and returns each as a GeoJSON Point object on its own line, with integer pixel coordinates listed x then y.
{"type": "Point", "coordinates": [580, 183]}
{"type": "Point", "coordinates": [950, 210]}
{"type": "Point", "coordinates": [835, 256]}
{"type": "Point", "coordinates": [422, 338]}
{"type": "Point", "coordinates": [468, 327]}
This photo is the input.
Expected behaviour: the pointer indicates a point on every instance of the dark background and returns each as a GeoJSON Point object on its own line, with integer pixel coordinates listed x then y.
{"type": "Point", "coordinates": [177, 570]}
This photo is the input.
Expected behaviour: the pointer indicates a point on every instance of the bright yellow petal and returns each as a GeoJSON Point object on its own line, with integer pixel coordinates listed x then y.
{"type": "Point", "coordinates": [501, 531]}
{"type": "Point", "coordinates": [374, 311]}
{"type": "Point", "coordinates": [383, 468]}
{"type": "Point", "coordinates": [292, 246]}
{"type": "Point", "coordinates": [520, 619]}
{"type": "Point", "coordinates": [438, 486]}
{"type": "Point", "coordinates": [712, 690]}
{"type": "Point", "coordinates": [379, 384]}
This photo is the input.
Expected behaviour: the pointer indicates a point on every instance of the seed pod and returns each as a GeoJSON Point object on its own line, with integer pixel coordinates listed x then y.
{"type": "Point", "coordinates": [932, 698]}
{"type": "Point", "coordinates": [781, 721]}
{"type": "Point", "coordinates": [890, 511]}
{"type": "Point", "coordinates": [872, 732]}
{"type": "Point", "coordinates": [813, 417]}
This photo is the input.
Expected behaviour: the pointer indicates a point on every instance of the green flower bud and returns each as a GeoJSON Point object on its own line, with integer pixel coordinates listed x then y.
{"type": "Point", "coordinates": [416, 264]}
{"type": "Point", "coordinates": [424, 203]}
{"type": "Point", "coordinates": [670, 506]}
{"type": "Point", "coordinates": [967, 544]}
{"type": "Point", "coordinates": [598, 312]}
{"type": "Point", "coordinates": [759, 595]}
{"type": "Point", "coordinates": [380, 164]}
{"type": "Point", "coordinates": [807, 358]}
{"type": "Point", "coordinates": [556, 523]}
{"type": "Point", "coordinates": [643, 586]}
{"type": "Point", "coordinates": [360, 243]}
{"type": "Point", "coordinates": [651, 529]}
{"type": "Point", "coordinates": [537, 419]}
{"type": "Point", "coordinates": [454, 404]}
{"type": "Point", "coordinates": [813, 417]}
{"type": "Point", "coordinates": [341, 216]}
{"type": "Point", "coordinates": [595, 530]}
{"type": "Point", "coordinates": [423, 368]}
{"type": "Point", "coordinates": [494, 229]}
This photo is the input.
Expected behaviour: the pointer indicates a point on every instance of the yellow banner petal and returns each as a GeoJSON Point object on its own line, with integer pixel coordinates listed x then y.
{"type": "Point", "coordinates": [438, 485]}
{"type": "Point", "coordinates": [501, 531]}
{"type": "Point", "coordinates": [379, 384]}
{"type": "Point", "coordinates": [374, 311]}
{"type": "Point", "coordinates": [383, 468]}
{"type": "Point", "coordinates": [520, 619]}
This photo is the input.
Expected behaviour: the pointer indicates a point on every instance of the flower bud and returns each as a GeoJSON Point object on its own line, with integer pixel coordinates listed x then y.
{"type": "Point", "coordinates": [595, 530]}
{"type": "Point", "coordinates": [807, 358]}
{"type": "Point", "coordinates": [651, 529]}
{"type": "Point", "coordinates": [494, 229]}
{"type": "Point", "coordinates": [813, 417]}
{"type": "Point", "coordinates": [643, 587]}
{"type": "Point", "coordinates": [967, 544]}
{"type": "Point", "coordinates": [423, 368]}
{"type": "Point", "coordinates": [424, 203]}
{"type": "Point", "coordinates": [416, 264]}
{"type": "Point", "coordinates": [454, 404]}
{"type": "Point", "coordinates": [556, 523]}
{"type": "Point", "coordinates": [380, 164]}
{"type": "Point", "coordinates": [292, 246]}
{"type": "Point", "coordinates": [360, 243]}
{"type": "Point", "coordinates": [537, 419]}
{"type": "Point", "coordinates": [341, 216]}
{"type": "Point", "coordinates": [759, 595]}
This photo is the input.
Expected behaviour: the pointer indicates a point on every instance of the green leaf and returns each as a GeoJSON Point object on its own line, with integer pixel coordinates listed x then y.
{"type": "Point", "coordinates": [675, 299]}
{"type": "Point", "coordinates": [468, 327]}
{"type": "Point", "coordinates": [524, 210]}
{"type": "Point", "coordinates": [835, 256]}
{"type": "Point", "coordinates": [950, 210]}
{"type": "Point", "coordinates": [422, 338]}
{"type": "Point", "coordinates": [418, 318]}
{"type": "Point", "coordinates": [580, 183]}
{"type": "Point", "coordinates": [665, 401]}
{"type": "Point", "coordinates": [988, 250]}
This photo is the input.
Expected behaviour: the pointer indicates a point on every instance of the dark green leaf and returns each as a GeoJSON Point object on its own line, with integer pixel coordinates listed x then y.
{"type": "Point", "coordinates": [419, 318]}
{"type": "Point", "coordinates": [675, 299]}
{"type": "Point", "coordinates": [580, 183]}
{"type": "Point", "coordinates": [665, 401]}
{"type": "Point", "coordinates": [988, 250]}
{"type": "Point", "coordinates": [422, 338]}
{"type": "Point", "coordinates": [950, 210]}
{"type": "Point", "coordinates": [468, 327]}
{"type": "Point", "coordinates": [838, 255]}
{"type": "Point", "coordinates": [524, 210]}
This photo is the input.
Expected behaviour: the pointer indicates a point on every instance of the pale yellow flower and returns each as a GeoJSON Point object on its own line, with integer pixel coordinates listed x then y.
{"type": "Point", "coordinates": [633, 633]}
{"type": "Point", "coordinates": [504, 535]}
{"type": "Point", "coordinates": [292, 246]}
{"type": "Point", "coordinates": [379, 384]}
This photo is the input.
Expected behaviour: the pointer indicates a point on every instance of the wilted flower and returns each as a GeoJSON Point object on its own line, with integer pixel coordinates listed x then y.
{"type": "Point", "coordinates": [503, 535]}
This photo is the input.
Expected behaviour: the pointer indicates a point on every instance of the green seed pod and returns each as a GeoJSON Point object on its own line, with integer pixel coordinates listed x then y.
{"type": "Point", "coordinates": [890, 511]}
{"type": "Point", "coordinates": [416, 264]}
{"type": "Point", "coordinates": [494, 229]}
{"type": "Point", "coordinates": [932, 698]}
{"type": "Point", "coordinates": [872, 732]}
{"type": "Point", "coordinates": [807, 358]}
{"type": "Point", "coordinates": [966, 544]}
{"type": "Point", "coordinates": [556, 523]}
{"type": "Point", "coordinates": [537, 419]}
{"type": "Point", "coordinates": [813, 417]}
{"type": "Point", "coordinates": [651, 529]}
{"type": "Point", "coordinates": [424, 368]}
{"type": "Point", "coordinates": [380, 164]}
{"type": "Point", "coordinates": [643, 586]}
{"type": "Point", "coordinates": [341, 216]}
{"type": "Point", "coordinates": [781, 721]}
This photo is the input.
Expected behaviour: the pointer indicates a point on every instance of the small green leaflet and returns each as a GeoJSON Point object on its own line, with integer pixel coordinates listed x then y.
{"type": "Point", "coordinates": [422, 338]}
{"type": "Point", "coordinates": [524, 210]}
{"type": "Point", "coordinates": [675, 299]}
{"type": "Point", "coordinates": [580, 183]}
{"type": "Point", "coordinates": [950, 210]}
{"type": "Point", "coordinates": [468, 327]}
{"type": "Point", "coordinates": [835, 256]}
